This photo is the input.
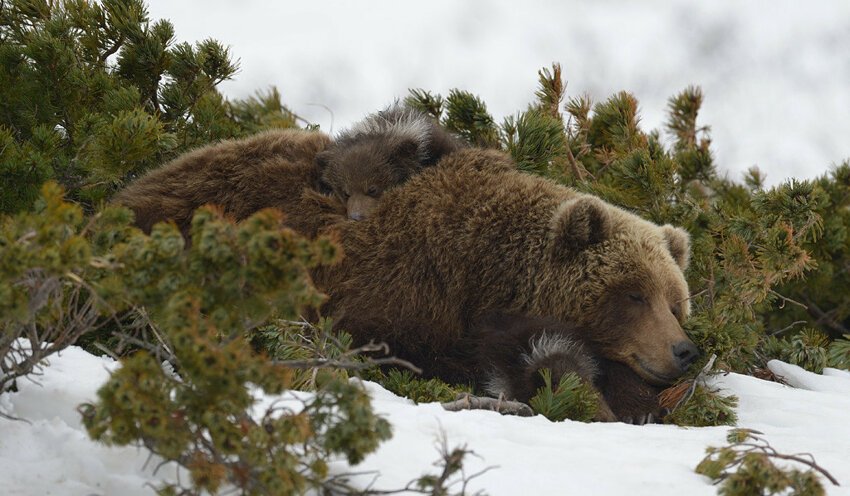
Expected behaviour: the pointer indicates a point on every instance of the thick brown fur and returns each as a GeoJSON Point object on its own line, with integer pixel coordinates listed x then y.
{"type": "Point", "coordinates": [382, 151]}
{"type": "Point", "coordinates": [457, 242]}
{"type": "Point", "coordinates": [272, 169]}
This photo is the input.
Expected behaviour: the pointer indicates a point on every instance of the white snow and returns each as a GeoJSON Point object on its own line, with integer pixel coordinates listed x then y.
{"type": "Point", "coordinates": [774, 72]}
{"type": "Point", "coordinates": [52, 454]}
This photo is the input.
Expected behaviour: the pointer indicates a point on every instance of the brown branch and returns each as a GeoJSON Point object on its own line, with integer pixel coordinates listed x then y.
{"type": "Point", "coordinates": [787, 328]}
{"type": "Point", "coordinates": [111, 50]}
{"type": "Point", "coordinates": [467, 401]}
{"type": "Point", "coordinates": [810, 463]}
{"type": "Point", "coordinates": [347, 365]}
{"type": "Point", "coordinates": [824, 318]}
{"type": "Point", "coordinates": [785, 300]}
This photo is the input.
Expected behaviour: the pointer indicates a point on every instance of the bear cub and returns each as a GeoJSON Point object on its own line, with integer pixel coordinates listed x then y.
{"type": "Point", "coordinates": [510, 350]}
{"type": "Point", "coordinates": [380, 152]}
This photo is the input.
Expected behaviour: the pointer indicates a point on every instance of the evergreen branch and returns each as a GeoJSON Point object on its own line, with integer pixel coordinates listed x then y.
{"type": "Point", "coordinates": [578, 170]}
{"type": "Point", "coordinates": [747, 459]}
{"type": "Point", "coordinates": [346, 359]}
{"type": "Point", "coordinates": [451, 462]}
{"type": "Point", "coordinates": [350, 365]}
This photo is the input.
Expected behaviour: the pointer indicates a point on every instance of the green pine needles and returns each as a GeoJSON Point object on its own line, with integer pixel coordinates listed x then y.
{"type": "Point", "coordinates": [570, 399]}
{"type": "Point", "coordinates": [839, 353]}
{"type": "Point", "coordinates": [703, 408]}
{"type": "Point", "coordinates": [405, 383]}
{"type": "Point", "coordinates": [808, 349]}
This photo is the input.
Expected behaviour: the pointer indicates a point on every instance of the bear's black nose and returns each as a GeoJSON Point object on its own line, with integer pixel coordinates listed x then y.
{"type": "Point", "coordinates": [686, 353]}
{"type": "Point", "coordinates": [356, 216]}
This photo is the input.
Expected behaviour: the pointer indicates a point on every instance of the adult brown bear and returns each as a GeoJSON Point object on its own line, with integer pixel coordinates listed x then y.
{"type": "Point", "coordinates": [457, 242]}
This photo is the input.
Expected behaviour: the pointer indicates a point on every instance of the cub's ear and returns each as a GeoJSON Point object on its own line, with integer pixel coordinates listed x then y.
{"type": "Point", "coordinates": [405, 149]}
{"type": "Point", "coordinates": [679, 244]}
{"type": "Point", "coordinates": [579, 224]}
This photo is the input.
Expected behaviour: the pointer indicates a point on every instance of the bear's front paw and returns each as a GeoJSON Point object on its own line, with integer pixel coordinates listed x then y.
{"type": "Point", "coordinates": [631, 399]}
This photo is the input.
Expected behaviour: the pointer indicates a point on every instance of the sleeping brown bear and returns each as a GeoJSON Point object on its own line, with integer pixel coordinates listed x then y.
{"type": "Point", "coordinates": [459, 241]}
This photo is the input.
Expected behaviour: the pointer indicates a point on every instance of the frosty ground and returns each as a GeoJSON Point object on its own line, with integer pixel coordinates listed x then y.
{"type": "Point", "coordinates": [51, 454]}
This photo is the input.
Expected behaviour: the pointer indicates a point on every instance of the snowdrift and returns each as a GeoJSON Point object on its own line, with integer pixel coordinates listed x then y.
{"type": "Point", "coordinates": [50, 453]}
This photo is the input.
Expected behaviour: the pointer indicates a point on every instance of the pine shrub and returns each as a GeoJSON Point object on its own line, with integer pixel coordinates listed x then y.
{"type": "Point", "coordinates": [93, 94]}
{"type": "Point", "coordinates": [839, 353]}
{"type": "Point", "coordinates": [808, 349]}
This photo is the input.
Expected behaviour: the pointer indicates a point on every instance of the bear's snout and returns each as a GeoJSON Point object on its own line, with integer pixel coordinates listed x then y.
{"type": "Point", "coordinates": [685, 353]}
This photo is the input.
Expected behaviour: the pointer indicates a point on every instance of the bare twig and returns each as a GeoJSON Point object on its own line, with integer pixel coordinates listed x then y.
{"type": "Point", "coordinates": [785, 300]}
{"type": "Point", "coordinates": [467, 401]}
{"type": "Point", "coordinates": [825, 318]}
{"type": "Point", "coordinates": [787, 328]}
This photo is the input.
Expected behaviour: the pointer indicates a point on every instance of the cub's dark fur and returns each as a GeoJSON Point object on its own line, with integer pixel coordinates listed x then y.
{"type": "Point", "coordinates": [382, 151]}
{"type": "Point", "coordinates": [510, 350]}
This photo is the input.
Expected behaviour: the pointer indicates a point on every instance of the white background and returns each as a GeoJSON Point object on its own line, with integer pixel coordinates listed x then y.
{"type": "Point", "coordinates": [776, 74]}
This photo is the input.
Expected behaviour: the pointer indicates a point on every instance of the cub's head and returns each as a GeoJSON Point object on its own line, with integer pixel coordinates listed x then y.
{"type": "Point", "coordinates": [623, 282]}
{"type": "Point", "coordinates": [359, 171]}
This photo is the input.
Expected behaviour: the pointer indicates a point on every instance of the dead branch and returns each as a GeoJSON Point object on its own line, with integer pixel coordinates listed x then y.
{"type": "Point", "coordinates": [467, 401]}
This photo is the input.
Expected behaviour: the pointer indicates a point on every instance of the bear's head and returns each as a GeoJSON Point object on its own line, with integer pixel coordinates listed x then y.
{"type": "Point", "coordinates": [627, 289]}
{"type": "Point", "coordinates": [360, 171]}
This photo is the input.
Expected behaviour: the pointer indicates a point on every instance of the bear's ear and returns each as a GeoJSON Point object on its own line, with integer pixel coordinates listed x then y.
{"type": "Point", "coordinates": [579, 224]}
{"type": "Point", "coordinates": [679, 244]}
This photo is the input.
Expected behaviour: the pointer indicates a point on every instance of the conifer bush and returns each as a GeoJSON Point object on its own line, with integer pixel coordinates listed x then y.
{"type": "Point", "coordinates": [203, 299]}
{"type": "Point", "coordinates": [55, 267]}
{"type": "Point", "coordinates": [93, 94]}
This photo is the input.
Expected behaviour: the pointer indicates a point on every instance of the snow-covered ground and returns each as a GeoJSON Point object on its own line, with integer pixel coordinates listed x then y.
{"type": "Point", "coordinates": [775, 73]}
{"type": "Point", "coordinates": [52, 454]}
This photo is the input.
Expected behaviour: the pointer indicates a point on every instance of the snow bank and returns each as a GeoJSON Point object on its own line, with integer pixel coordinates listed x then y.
{"type": "Point", "coordinates": [53, 455]}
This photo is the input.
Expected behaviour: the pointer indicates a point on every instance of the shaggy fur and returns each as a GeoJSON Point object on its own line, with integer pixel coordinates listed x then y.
{"type": "Point", "coordinates": [458, 242]}
{"type": "Point", "coordinates": [510, 350]}
{"type": "Point", "coordinates": [380, 152]}
{"type": "Point", "coordinates": [271, 169]}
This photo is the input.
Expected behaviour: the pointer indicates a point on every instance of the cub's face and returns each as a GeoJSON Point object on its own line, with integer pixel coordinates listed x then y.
{"type": "Point", "coordinates": [359, 173]}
